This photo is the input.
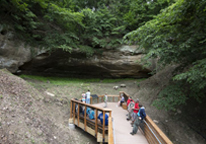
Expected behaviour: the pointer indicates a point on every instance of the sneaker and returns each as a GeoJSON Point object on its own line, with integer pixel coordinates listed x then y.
{"type": "Point", "coordinates": [132, 133]}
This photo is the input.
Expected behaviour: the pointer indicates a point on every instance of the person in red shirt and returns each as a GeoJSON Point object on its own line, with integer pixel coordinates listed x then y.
{"type": "Point", "coordinates": [129, 100]}
{"type": "Point", "coordinates": [135, 111]}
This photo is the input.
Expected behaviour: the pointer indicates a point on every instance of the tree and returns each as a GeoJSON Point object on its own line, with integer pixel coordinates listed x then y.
{"type": "Point", "coordinates": [177, 36]}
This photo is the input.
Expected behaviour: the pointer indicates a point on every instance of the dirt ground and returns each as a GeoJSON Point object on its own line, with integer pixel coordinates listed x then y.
{"type": "Point", "coordinates": [30, 116]}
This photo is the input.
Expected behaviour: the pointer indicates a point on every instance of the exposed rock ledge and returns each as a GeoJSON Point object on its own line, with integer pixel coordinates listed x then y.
{"type": "Point", "coordinates": [120, 62]}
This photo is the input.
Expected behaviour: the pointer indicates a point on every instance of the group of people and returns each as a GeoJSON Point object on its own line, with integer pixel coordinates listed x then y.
{"type": "Point", "coordinates": [86, 97]}
{"type": "Point", "coordinates": [90, 113]}
{"type": "Point", "coordinates": [136, 113]}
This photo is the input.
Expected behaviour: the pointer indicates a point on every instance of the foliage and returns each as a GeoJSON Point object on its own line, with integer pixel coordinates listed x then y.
{"type": "Point", "coordinates": [67, 80]}
{"type": "Point", "coordinates": [67, 24]}
{"type": "Point", "coordinates": [177, 36]}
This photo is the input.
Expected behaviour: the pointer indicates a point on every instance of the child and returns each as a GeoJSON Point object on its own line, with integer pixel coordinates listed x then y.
{"type": "Point", "coordinates": [105, 100]}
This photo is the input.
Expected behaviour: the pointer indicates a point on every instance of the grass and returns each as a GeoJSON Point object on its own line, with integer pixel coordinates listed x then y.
{"type": "Point", "coordinates": [66, 81]}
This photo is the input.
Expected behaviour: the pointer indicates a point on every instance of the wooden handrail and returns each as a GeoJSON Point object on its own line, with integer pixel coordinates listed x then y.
{"type": "Point", "coordinates": [111, 137]}
{"type": "Point", "coordinates": [158, 132]}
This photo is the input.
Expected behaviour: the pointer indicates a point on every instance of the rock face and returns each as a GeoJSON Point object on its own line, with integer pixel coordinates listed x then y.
{"type": "Point", "coordinates": [117, 63]}
{"type": "Point", "coordinates": [14, 54]}
{"type": "Point", "coordinates": [121, 62]}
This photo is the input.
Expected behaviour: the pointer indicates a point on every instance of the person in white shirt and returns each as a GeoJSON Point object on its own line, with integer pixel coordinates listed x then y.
{"type": "Point", "coordinates": [88, 97]}
{"type": "Point", "coordinates": [105, 100]}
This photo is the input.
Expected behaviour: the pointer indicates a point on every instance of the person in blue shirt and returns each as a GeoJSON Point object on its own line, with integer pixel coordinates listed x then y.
{"type": "Point", "coordinates": [87, 111]}
{"type": "Point", "coordinates": [100, 117]}
{"type": "Point", "coordinates": [91, 114]}
{"type": "Point", "coordinates": [140, 117]}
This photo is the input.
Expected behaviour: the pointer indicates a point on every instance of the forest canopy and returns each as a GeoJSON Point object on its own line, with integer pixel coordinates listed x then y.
{"type": "Point", "coordinates": [84, 24]}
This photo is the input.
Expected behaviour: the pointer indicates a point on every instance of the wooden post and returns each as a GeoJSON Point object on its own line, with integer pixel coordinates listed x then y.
{"type": "Point", "coordinates": [78, 114]}
{"type": "Point", "coordinates": [74, 112]}
{"type": "Point", "coordinates": [98, 100]}
{"type": "Point", "coordinates": [90, 100]}
{"type": "Point", "coordinates": [113, 98]}
{"type": "Point", "coordinates": [110, 113]}
{"type": "Point", "coordinates": [96, 122]}
{"type": "Point", "coordinates": [85, 118]}
{"type": "Point", "coordinates": [71, 109]}
{"type": "Point", "coordinates": [103, 129]}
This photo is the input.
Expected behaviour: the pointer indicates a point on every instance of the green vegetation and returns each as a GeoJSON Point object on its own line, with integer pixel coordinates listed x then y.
{"type": "Point", "coordinates": [87, 24]}
{"type": "Point", "coordinates": [69, 81]}
{"type": "Point", "coordinates": [177, 36]}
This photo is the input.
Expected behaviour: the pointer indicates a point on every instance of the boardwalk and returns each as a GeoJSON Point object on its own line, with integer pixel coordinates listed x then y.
{"type": "Point", "coordinates": [122, 127]}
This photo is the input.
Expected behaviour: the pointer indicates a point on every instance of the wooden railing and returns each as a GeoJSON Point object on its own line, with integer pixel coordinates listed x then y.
{"type": "Point", "coordinates": [151, 131]}
{"type": "Point", "coordinates": [102, 132]}
{"type": "Point", "coordinates": [100, 98]}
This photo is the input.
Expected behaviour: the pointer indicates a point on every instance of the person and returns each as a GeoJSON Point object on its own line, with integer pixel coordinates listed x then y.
{"type": "Point", "coordinates": [130, 108]}
{"type": "Point", "coordinates": [135, 111]}
{"type": "Point", "coordinates": [88, 97]}
{"type": "Point", "coordinates": [87, 111]}
{"type": "Point", "coordinates": [83, 97]}
{"type": "Point", "coordinates": [122, 100]}
{"type": "Point", "coordinates": [140, 117]}
{"type": "Point", "coordinates": [91, 114]}
{"type": "Point", "coordinates": [100, 117]}
{"type": "Point", "coordinates": [129, 100]}
{"type": "Point", "coordinates": [105, 100]}
{"type": "Point", "coordinates": [80, 109]}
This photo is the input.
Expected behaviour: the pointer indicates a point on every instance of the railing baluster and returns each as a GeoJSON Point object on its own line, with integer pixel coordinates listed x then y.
{"type": "Point", "coordinates": [78, 113]}
{"type": "Point", "coordinates": [71, 109]}
{"type": "Point", "coordinates": [85, 118]}
{"type": "Point", "coordinates": [96, 122]}
{"type": "Point", "coordinates": [103, 131]}
{"type": "Point", "coordinates": [74, 112]}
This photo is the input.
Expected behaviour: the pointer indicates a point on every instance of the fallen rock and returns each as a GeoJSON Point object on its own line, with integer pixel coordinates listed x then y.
{"type": "Point", "coordinates": [122, 85]}
{"type": "Point", "coordinates": [50, 94]}
{"type": "Point", "coordinates": [115, 87]}
{"type": "Point", "coordinates": [156, 121]}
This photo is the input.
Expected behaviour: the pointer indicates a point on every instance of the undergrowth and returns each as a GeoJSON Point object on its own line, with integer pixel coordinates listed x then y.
{"type": "Point", "coordinates": [66, 81]}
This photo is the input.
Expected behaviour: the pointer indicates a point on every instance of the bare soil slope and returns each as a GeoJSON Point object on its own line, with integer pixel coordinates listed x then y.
{"type": "Point", "coordinates": [27, 116]}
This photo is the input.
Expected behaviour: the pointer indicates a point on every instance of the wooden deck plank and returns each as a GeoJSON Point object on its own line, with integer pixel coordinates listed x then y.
{"type": "Point", "coordinates": [122, 127]}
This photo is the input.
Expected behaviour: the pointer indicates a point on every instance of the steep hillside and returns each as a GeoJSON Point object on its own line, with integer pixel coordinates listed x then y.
{"type": "Point", "coordinates": [185, 125]}
{"type": "Point", "coordinates": [27, 116]}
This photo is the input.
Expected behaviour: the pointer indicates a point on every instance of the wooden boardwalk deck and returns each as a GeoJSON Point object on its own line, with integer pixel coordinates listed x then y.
{"type": "Point", "coordinates": [122, 127]}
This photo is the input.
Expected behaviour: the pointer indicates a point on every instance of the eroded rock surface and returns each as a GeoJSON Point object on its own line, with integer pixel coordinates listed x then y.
{"type": "Point", "coordinates": [14, 54]}
{"type": "Point", "coordinates": [121, 62]}
{"type": "Point", "coordinates": [116, 63]}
